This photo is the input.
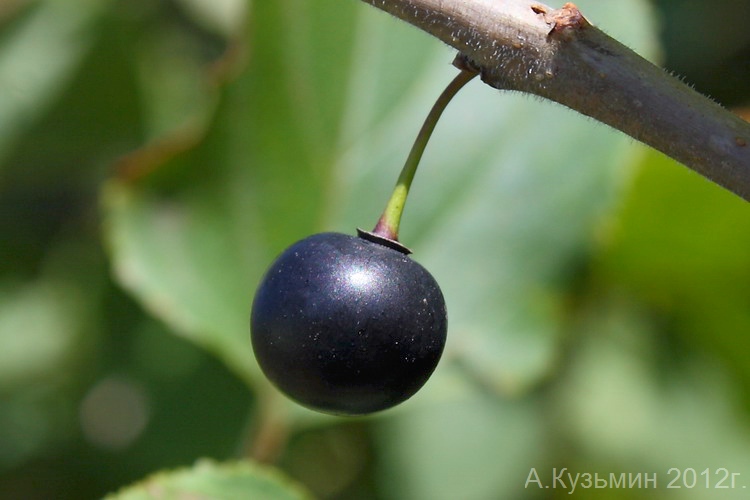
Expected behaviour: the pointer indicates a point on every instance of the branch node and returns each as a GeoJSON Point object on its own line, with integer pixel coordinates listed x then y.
{"type": "Point", "coordinates": [566, 20]}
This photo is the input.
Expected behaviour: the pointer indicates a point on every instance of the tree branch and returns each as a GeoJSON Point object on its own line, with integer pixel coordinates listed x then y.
{"type": "Point", "coordinates": [557, 54]}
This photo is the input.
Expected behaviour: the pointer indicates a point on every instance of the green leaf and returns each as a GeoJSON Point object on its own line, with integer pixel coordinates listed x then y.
{"type": "Point", "coordinates": [40, 325]}
{"type": "Point", "coordinates": [633, 404]}
{"type": "Point", "coordinates": [468, 447]}
{"type": "Point", "coordinates": [38, 57]}
{"type": "Point", "coordinates": [682, 246]}
{"type": "Point", "coordinates": [207, 479]}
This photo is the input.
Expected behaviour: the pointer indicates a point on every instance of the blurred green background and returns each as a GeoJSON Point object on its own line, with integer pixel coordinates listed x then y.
{"type": "Point", "coordinates": [156, 155]}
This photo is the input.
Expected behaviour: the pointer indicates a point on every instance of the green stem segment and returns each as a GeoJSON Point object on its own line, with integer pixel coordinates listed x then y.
{"type": "Point", "coordinates": [388, 224]}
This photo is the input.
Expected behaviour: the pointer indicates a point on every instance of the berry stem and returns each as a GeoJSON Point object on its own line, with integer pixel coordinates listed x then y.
{"type": "Point", "coordinates": [388, 224]}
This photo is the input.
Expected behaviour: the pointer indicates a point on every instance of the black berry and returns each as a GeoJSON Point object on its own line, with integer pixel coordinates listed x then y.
{"type": "Point", "coordinates": [347, 326]}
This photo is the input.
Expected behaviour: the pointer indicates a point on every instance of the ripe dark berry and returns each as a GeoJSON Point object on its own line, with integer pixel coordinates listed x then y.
{"type": "Point", "coordinates": [347, 326]}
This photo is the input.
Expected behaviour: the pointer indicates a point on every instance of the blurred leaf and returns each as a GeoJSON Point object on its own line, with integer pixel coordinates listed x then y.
{"type": "Point", "coordinates": [232, 481]}
{"type": "Point", "coordinates": [471, 447]}
{"type": "Point", "coordinates": [43, 336]}
{"type": "Point", "coordinates": [679, 233]}
{"type": "Point", "coordinates": [633, 404]}
{"type": "Point", "coordinates": [40, 324]}
{"type": "Point", "coordinates": [683, 246]}
{"type": "Point", "coordinates": [178, 64]}
{"type": "Point", "coordinates": [222, 16]}
{"type": "Point", "coordinates": [39, 57]}
{"type": "Point", "coordinates": [49, 326]}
